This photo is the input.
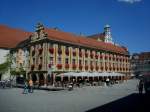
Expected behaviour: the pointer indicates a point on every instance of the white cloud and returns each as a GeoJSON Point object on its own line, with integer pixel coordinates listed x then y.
{"type": "Point", "coordinates": [130, 1]}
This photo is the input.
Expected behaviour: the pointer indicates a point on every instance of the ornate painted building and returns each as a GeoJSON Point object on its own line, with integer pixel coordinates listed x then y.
{"type": "Point", "coordinates": [52, 51]}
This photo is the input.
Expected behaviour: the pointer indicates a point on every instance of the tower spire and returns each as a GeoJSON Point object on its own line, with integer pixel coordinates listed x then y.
{"type": "Point", "coordinates": [107, 32]}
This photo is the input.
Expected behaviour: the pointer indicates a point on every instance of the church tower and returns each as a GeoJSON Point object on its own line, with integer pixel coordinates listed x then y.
{"type": "Point", "coordinates": [107, 33]}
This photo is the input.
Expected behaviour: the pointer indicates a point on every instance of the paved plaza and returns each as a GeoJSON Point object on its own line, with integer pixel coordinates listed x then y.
{"type": "Point", "coordinates": [79, 100]}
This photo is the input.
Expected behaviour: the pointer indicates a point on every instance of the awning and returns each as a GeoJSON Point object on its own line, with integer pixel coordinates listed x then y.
{"type": "Point", "coordinates": [90, 74]}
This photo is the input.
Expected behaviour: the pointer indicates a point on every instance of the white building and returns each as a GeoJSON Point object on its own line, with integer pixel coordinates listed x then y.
{"type": "Point", "coordinates": [9, 39]}
{"type": "Point", "coordinates": [3, 53]}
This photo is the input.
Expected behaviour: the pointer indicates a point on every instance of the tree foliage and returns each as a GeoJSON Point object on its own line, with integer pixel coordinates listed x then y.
{"type": "Point", "coordinates": [4, 67]}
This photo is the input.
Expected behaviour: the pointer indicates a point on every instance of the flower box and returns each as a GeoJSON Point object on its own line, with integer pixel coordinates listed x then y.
{"type": "Point", "coordinates": [51, 50]}
{"type": "Point", "coordinates": [59, 66]}
{"type": "Point", "coordinates": [101, 56]}
{"type": "Point", "coordinates": [96, 56]}
{"type": "Point", "coordinates": [50, 65]}
{"type": "Point", "coordinates": [74, 53]}
{"type": "Point", "coordinates": [67, 52]}
{"type": "Point", "coordinates": [66, 65]}
{"type": "Point", "coordinates": [59, 51]}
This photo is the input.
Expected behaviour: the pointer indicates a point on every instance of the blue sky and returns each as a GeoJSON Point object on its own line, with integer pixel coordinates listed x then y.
{"type": "Point", "coordinates": [129, 19]}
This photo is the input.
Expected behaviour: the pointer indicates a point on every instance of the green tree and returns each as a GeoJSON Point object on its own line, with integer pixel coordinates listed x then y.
{"type": "Point", "coordinates": [4, 67]}
{"type": "Point", "coordinates": [7, 65]}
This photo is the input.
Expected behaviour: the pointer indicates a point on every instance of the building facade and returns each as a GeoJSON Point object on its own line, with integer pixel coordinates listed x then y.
{"type": "Point", "coordinates": [140, 63]}
{"type": "Point", "coordinates": [47, 53]}
{"type": "Point", "coordinates": [9, 39]}
{"type": "Point", "coordinates": [52, 52]}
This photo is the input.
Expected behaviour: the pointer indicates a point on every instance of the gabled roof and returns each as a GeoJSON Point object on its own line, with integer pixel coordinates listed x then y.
{"type": "Point", "coordinates": [83, 41]}
{"type": "Point", "coordinates": [10, 37]}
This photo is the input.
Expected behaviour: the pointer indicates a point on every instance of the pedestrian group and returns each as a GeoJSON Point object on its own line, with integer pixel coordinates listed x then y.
{"type": "Point", "coordinates": [28, 86]}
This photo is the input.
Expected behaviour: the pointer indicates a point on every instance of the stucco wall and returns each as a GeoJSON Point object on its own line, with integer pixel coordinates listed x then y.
{"type": "Point", "coordinates": [3, 53]}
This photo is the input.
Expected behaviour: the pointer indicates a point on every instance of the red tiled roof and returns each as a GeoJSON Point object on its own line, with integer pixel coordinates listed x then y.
{"type": "Point", "coordinates": [10, 37]}
{"type": "Point", "coordinates": [83, 41]}
{"type": "Point", "coordinates": [96, 36]}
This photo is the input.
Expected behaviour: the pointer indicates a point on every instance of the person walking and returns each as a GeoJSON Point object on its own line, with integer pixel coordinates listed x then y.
{"type": "Point", "coordinates": [141, 85]}
{"type": "Point", "coordinates": [30, 86]}
{"type": "Point", "coordinates": [25, 91]}
{"type": "Point", "coordinates": [107, 81]}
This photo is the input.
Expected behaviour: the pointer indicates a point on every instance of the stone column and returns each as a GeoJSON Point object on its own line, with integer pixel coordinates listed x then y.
{"type": "Point", "coordinates": [45, 79]}
{"type": "Point", "coordinates": [54, 77]}
{"type": "Point", "coordinates": [62, 78]}
{"type": "Point", "coordinates": [37, 77]}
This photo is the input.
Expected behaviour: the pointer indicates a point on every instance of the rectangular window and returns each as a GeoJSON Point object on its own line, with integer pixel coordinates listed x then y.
{"type": "Point", "coordinates": [59, 47]}
{"type": "Point", "coordinates": [80, 62]}
{"type": "Point", "coordinates": [73, 61]}
{"type": "Point", "coordinates": [96, 63]}
{"type": "Point", "coordinates": [59, 60]}
{"type": "Point", "coordinates": [67, 61]}
{"type": "Point", "coordinates": [91, 62]}
{"type": "Point", "coordinates": [86, 62]}
{"type": "Point", "coordinates": [51, 45]}
{"type": "Point", "coordinates": [51, 61]}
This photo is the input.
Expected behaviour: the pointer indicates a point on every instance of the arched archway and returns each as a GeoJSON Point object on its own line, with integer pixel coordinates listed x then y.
{"type": "Point", "coordinates": [34, 78]}
{"type": "Point", "coordinates": [41, 79]}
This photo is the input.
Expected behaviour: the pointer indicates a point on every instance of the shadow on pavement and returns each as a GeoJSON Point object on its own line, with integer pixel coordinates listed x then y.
{"type": "Point", "coordinates": [132, 103]}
